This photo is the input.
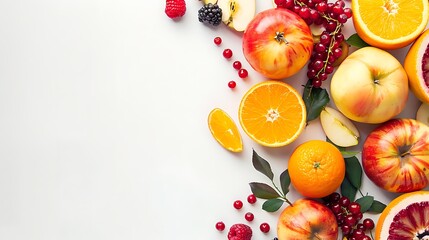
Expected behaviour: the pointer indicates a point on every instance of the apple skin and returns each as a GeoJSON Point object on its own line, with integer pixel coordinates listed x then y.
{"type": "Point", "coordinates": [370, 86]}
{"type": "Point", "coordinates": [277, 59]}
{"type": "Point", "coordinates": [382, 160]}
{"type": "Point", "coordinates": [307, 219]}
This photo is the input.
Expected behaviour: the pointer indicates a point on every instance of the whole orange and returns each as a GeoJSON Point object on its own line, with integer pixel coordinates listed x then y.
{"type": "Point", "coordinates": [316, 168]}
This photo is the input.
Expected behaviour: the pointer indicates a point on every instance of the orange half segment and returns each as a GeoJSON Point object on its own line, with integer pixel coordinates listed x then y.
{"type": "Point", "coordinates": [224, 130]}
{"type": "Point", "coordinates": [272, 113]}
{"type": "Point", "coordinates": [390, 24]}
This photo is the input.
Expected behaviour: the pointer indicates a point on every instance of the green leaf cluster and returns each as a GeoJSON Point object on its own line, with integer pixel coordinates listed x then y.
{"type": "Point", "coordinates": [273, 195]}
{"type": "Point", "coordinates": [315, 99]}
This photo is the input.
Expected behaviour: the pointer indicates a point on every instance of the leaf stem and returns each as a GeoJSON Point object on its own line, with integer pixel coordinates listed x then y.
{"type": "Point", "coordinates": [282, 195]}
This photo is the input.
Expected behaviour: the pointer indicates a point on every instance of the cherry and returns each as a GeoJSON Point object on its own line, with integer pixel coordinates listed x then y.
{"type": "Point", "coordinates": [238, 204]}
{"type": "Point", "coordinates": [334, 197]}
{"type": "Point", "coordinates": [242, 73]}
{"type": "Point", "coordinates": [354, 208]}
{"type": "Point", "coordinates": [368, 223]}
{"type": "Point", "coordinates": [227, 53]}
{"type": "Point", "coordinates": [251, 199]}
{"type": "Point", "coordinates": [344, 201]}
{"type": "Point", "coordinates": [217, 40]}
{"type": "Point", "coordinates": [232, 84]}
{"type": "Point", "coordinates": [236, 65]}
{"type": "Point", "coordinates": [264, 227]}
{"type": "Point", "coordinates": [220, 226]}
{"type": "Point", "coordinates": [249, 216]}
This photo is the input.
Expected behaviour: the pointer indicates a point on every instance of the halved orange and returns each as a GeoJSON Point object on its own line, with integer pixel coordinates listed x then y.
{"type": "Point", "coordinates": [390, 24]}
{"type": "Point", "coordinates": [416, 65]}
{"type": "Point", "coordinates": [224, 130]}
{"type": "Point", "coordinates": [272, 113]}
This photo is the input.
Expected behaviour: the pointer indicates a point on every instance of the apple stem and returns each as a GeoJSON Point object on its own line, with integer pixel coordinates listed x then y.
{"type": "Point", "coordinates": [280, 37]}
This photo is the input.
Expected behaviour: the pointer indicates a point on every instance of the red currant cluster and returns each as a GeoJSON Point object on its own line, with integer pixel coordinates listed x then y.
{"type": "Point", "coordinates": [329, 48]}
{"type": "Point", "coordinates": [238, 204]}
{"type": "Point", "coordinates": [227, 53]}
{"type": "Point", "coordinates": [348, 216]}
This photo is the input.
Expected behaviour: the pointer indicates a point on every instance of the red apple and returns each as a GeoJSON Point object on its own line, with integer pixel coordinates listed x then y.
{"type": "Point", "coordinates": [307, 219]}
{"type": "Point", "coordinates": [395, 155]}
{"type": "Point", "coordinates": [277, 43]}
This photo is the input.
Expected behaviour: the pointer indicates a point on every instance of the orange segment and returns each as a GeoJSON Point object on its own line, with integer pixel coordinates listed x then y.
{"type": "Point", "coordinates": [224, 130]}
{"type": "Point", "coordinates": [272, 113]}
{"type": "Point", "coordinates": [316, 168]}
{"type": "Point", "coordinates": [390, 24]}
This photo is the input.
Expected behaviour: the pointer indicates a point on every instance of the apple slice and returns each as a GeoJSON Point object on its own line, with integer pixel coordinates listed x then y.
{"type": "Point", "coordinates": [338, 128]}
{"type": "Point", "coordinates": [209, 1]}
{"type": "Point", "coordinates": [422, 114]}
{"type": "Point", "coordinates": [237, 14]}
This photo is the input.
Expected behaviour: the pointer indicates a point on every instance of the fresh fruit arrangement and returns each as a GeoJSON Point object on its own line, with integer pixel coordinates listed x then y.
{"type": "Point", "coordinates": [369, 87]}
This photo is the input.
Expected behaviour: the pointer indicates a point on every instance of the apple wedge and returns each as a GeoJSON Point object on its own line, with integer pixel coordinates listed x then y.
{"type": "Point", "coordinates": [338, 128]}
{"type": "Point", "coordinates": [422, 114]}
{"type": "Point", "coordinates": [237, 14]}
{"type": "Point", "coordinates": [209, 1]}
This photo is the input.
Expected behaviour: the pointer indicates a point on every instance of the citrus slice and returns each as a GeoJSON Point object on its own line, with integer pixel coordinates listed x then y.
{"type": "Point", "coordinates": [316, 168]}
{"type": "Point", "coordinates": [272, 113]}
{"type": "Point", "coordinates": [416, 65]}
{"type": "Point", "coordinates": [390, 24]}
{"type": "Point", "coordinates": [406, 217]}
{"type": "Point", "coordinates": [224, 130]}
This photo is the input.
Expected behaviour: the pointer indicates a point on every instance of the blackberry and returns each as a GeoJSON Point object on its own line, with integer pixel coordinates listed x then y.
{"type": "Point", "coordinates": [211, 14]}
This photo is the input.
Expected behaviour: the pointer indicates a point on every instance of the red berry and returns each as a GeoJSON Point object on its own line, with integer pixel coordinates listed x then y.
{"type": "Point", "coordinates": [354, 208]}
{"type": "Point", "coordinates": [242, 73]}
{"type": "Point", "coordinates": [232, 84]}
{"type": "Point", "coordinates": [240, 232]}
{"type": "Point", "coordinates": [344, 201]}
{"type": "Point", "coordinates": [220, 226]}
{"type": "Point", "coordinates": [175, 8]}
{"type": "Point", "coordinates": [368, 223]}
{"type": "Point", "coordinates": [238, 204]}
{"type": "Point", "coordinates": [227, 53]}
{"type": "Point", "coordinates": [265, 227]}
{"type": "Point", "coordinates": [251, 199]}
{"type": "Point", "coordinates": [249, 216]}
{"type": "Point", "coordinates": [236, 65]}
{"type": "Point", "coordinates": [217, 40]}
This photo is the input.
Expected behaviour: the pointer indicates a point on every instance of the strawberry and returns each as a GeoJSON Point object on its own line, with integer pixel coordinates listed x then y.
{"type": "Point", "coordinates": [175, 8]}
{"type": "Point", "coordinates": [240, 232]}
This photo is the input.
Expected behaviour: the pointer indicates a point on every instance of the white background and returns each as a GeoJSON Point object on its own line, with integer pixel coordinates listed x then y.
{"type": "Point", "coordinates": [103, 124]}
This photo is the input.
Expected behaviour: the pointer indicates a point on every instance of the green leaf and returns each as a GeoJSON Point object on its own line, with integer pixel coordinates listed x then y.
{"type": "Point", "coordinates": [377, 207]}
{"type": "Point", "coordinates": [262, 190]}
{"type": "Point", "coordinates": [365, 203]}
{"type": "Point", "coordinates": [315, 100]}
{"type": "Point", "coordinates": [354, 171]}
{"type": "Point", "coordinates": [349, 154]}
{"type": "Point", "coordinates": [348, 190]}
{"type": "Point", "coordinates": [285, 181]}
{"type": "Point", "coordinates": [356, 41]}
{"type": "Point", "coordinates": [262, 165]}
{"type": "Point", "coordinates": [272, 205]}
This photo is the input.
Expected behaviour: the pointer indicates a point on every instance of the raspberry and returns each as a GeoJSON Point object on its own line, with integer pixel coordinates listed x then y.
{"type": "Point", "coordinates": [240, 232]}
{"type": "Point", "coordinates": [175, 8]}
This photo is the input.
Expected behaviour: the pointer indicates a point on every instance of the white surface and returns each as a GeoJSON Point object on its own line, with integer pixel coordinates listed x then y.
{"type": "Point", "coordinates": [103, 133]}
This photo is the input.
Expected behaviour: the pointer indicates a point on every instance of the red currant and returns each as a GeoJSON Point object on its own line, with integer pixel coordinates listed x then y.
{"type": "Point", "coordinates": [265, 227]}
{"type": "Point", "coordinates": [236, 65]}
{"type": "Point", "coordinates": [344, 201]}
{"type": "Point", "coordinates": [227, 53]}
{"type": "Point", "coordinates": [232, 84]}
{"type": "Point", "coordinates": [217, 40]}
{"type": "Point", "coordinates": [220, 226]}
{"type": "Point", "coordinates": [251, 199]}
{"type": "Point", "coordinates": [368, 223]}
{"type": "Point", "coordinates": [354, 208]}
{"type": "Point", "coordinates": [238, 204]}
{"type": "Point", "coordinates": [249, 216]}
{"type": "Point", "coordinates": [242, 73]}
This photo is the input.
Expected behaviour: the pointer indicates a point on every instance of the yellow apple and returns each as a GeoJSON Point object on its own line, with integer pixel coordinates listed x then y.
{"type": "Point", "coordinates": [370, 86]}
{"type": "Point", "coordinates": [237, 14]}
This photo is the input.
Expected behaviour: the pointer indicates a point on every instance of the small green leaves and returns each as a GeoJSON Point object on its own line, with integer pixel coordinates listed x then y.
{"type": "Point", "coordinates": [262, 190]}
{"type": "Point", "coordinates": [377, 207]}
{"type": "Point", "coordinates": [356, 41]}
{"type": "Point", "coordinates": [275, 197]}
{"type": "Point", "coordinates": [285, 181]}
{"type": "Point", "coordinates": [272, 205]}
{"type": "Point", "coordinates": [365, 203]}
{"type": "Point", "coordinates": [315, 100]}
{"type": "Point", "coordinates": [262, 165]}
{"type": "Point", "coordinates": [348, 190]}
